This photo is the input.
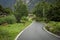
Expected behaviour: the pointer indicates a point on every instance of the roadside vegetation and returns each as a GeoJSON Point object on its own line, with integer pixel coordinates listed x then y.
{"type": "Point", "coordinates": [53, 27]}
{"type": "Point", "coordinates": [10, 31]}
{"type": "Point", "coordinates": [50, 14]}
{"type": "Point", "coordinates": [12, 22]}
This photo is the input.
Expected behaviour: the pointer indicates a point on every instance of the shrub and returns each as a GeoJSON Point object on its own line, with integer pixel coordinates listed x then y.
{"type": "Point", "coordinates": [38, 19]}
{"type": "Point", "coordinates": [24, 19]}
{"type": "Point", "coordinates": [54, 27]}
{"type": "Point", "coordinates": [8, 19]}
{"type": "Point", "coordinates": [2, 20]}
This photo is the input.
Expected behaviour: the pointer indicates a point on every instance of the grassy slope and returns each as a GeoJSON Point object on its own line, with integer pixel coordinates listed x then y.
{"type": "Point", "coordinates": [9, 32]}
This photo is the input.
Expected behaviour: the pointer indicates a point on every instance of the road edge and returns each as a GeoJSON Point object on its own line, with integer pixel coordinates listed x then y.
{"type": "Point", "coordinates": [23, 30]}
{"type": "Point", "coordinates": [51, 33]}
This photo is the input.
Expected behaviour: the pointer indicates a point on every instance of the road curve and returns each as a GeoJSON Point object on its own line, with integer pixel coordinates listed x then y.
{"type": "Point", "coordinates": [36, 32]}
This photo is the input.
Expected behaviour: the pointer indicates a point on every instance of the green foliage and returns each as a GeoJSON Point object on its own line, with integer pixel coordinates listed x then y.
{"type": "Point", "coordinates": [8, 19]}
{"type": "Point", "coordinates": [38, 19]}
{"type": "Point", "coordinates": [54, 13]}
{"type": "Point", "coordinates": [54, 27]}
{"type": "Point", "coordinates": [2, 20]}
{"type": "Point", "coordinates": [8, 11]}
{"type": "Point", "coordinates": [24, 19]}
{"type": "Point", "coordinates": [41, 9]}
{"type": "Point", "coordinates": [49, 12]}
{"type": "Point", "coordinates": [10, 31]}
{"type": "Point", "coordinates": [1, 8]}
{"type": "Point", "coordinates": [5, 11]}
{"type": "Point", "coordinates": [20, 10]}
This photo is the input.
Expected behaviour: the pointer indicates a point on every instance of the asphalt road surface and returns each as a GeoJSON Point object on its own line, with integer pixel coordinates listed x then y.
{"type": "Point", "coordinates": [36, 32]}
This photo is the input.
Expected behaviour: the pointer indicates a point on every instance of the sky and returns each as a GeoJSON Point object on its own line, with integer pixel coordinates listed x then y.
{"type": "Point", "coordinates": [7, 3]}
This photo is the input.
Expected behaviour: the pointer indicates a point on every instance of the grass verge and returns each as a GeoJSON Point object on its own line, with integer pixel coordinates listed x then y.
{"type": "Point", "coordinates": [10, 31]}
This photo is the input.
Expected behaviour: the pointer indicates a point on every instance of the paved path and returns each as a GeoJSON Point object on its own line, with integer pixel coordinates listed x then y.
{"type": "Point", "coordinates": [36, 32]}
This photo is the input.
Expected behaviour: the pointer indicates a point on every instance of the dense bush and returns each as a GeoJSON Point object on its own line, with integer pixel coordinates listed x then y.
{"type": "Point", "coordinates": [24, 19]}
{"type": "Point", "coordinates": [54, 14]}
{"type": "Point", "coordinates": [54, 27]}
{"type": "Point", "coordinates": [8, 19]}
{"type": "Point", "coordinates": [2, 20]}
{"type": "Point", "coordinates": [38, 19]}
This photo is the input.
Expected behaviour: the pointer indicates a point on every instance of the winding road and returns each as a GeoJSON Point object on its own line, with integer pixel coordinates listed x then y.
{"type": "Point", "coordinates": [36, 32]}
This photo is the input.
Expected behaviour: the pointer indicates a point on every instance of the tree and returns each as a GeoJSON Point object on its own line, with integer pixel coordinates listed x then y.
{"type": "Point", "coordinates": [41, 9]}
{"type": "Point", "coordinates": [1, 10]}
{"type": "Point", "coordinates": [5, 11]}
{"type": "Point", "coordinates": [20, 10]}
{"type": "Point", "coordinates": [54, 12]}
{"type": "Point", "coordinates": [8, 11]}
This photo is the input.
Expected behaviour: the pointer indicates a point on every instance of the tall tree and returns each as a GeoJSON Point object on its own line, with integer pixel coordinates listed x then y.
{"type": "Point", "coordinates": [41, 9]}
{"type": "Point", "coordinates": [20, 10]}
{"type": "Point", "coordinates": [54, 13]}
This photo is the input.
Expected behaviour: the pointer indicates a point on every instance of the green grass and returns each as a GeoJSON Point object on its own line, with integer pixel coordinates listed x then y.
{"type": "Point", "coordinates": [53, 27]}
{"type": "Point", "coordinates": [10, 31]}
